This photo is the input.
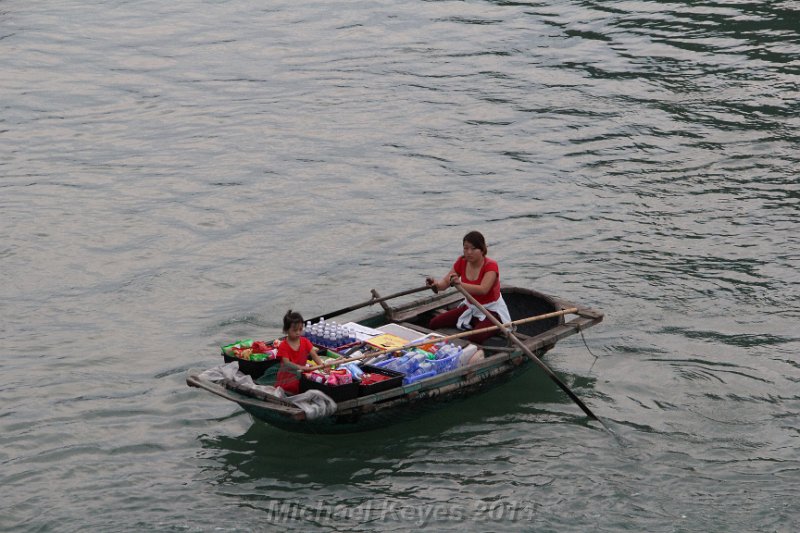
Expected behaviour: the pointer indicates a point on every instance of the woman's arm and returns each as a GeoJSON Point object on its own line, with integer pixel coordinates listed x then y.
{"type": "Point", "coordinates": [443, 283]}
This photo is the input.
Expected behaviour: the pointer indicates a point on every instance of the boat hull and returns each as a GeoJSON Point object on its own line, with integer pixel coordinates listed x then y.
{"type": "Point", "coordinates": [409, 407]}
{"type": "Point", "coordinates": [503, 363]}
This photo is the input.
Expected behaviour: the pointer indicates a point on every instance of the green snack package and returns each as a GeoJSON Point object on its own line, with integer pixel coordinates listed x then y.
{"type": "Point", "coordinates": [228, 349]}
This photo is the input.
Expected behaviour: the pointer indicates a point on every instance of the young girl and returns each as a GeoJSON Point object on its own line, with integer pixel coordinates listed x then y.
{"type": "Point", "coordinates": [479, 275]}
{"type": "Point", "coordinates": [295, 349]}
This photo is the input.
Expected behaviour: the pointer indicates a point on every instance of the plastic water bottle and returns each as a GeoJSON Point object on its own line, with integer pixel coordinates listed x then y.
{"type": "Point", "coordinates": [337, 335]}
{"type": "Point", "coordinates": [424, 366]}
{"type": "Point", "coordinates": [377, 359]}
{"type": "Point", "coordinates": [355, 371]}
{"type": "Point", "coordinates": [419, 357]}
{"type": "Point", "coordinates": [399, 364]}
{"type": "Point", "coordinates": [334, 337]}
{"type": "Point", "coordinates": [444, 352]}
{"type": "Point", "coordinates": [406, 364]}
{"type": "Point", "coordinates": [329, 338]}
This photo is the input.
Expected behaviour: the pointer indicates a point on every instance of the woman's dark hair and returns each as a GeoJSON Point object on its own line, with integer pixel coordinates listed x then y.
{"type": "Point", "coordinates": [290, 319]}
{"type": "Point", "coordinates": [475, 238]}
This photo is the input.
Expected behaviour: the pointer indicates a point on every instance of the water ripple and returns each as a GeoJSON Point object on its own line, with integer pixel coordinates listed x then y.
{"type": "Point", "coordinates": [175, 176]}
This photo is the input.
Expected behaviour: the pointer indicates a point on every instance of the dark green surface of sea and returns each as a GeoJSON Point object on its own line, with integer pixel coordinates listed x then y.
{"type": "Point", "coordinates": [175, 175]}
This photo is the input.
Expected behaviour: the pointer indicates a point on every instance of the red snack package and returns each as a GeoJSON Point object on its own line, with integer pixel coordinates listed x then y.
{"type": "Point", "coordinates": [243, 353]}
{"type": "Point", "coordinates": [371, 379]}
{"type": "Point", "coordinates": [260, 347]}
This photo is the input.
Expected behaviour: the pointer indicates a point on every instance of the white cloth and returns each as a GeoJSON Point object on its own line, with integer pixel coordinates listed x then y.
{"type": "Point", "coordinates": [229, 373]}
{"type": "Point", "coordinates": [314, 403]}
{"type": "Point", "coordinates": [498, 306]}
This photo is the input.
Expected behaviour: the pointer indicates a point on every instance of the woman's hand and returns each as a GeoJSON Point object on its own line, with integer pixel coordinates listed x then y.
{"type": "Point", "coordinates": [454, 280]}
{"type": "Point", "coordinates": [430, 282]}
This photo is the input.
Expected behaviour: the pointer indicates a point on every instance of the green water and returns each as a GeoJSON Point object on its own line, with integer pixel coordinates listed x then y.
{"type": "Point", "coordinates": [175, 176]}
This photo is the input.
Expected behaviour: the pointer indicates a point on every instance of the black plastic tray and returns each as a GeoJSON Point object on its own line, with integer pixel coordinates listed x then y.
{"type": "Point", "coordinates": [338, 393]}
{"type": "Point", "coordinates": [395, 380]}
{"type": "Point", "coordinates": [254, 369]}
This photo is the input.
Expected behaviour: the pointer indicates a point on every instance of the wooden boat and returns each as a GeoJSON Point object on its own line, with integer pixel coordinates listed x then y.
{"type": "Point", "coordinates": [503, 361]}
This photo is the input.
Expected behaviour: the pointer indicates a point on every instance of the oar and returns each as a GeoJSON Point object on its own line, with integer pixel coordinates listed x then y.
{"type": "Point", "coordinates": [370, 302]}
{"type": "Point", "coordinates": [527, 351]}
{"type": "Point", "coordinates": [430, 340]}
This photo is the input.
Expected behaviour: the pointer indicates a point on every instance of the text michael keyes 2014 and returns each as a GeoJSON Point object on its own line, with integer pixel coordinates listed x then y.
{"type": "Point", "coordinates": [411, 513]}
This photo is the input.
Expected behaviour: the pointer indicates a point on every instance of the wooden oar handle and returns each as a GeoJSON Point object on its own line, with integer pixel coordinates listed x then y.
{"type": "Point", "coordinates": [372, 301]}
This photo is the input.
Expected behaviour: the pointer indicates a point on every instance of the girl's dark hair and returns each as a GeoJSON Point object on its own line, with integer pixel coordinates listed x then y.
{"type": "Point", "coordinates": [475, 238]}
{"type": "Point", "coordinates": [290, 319]}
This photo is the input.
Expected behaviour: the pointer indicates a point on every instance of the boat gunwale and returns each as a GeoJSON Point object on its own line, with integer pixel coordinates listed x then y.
{"type": "Point", "coordinates": [542, 341]}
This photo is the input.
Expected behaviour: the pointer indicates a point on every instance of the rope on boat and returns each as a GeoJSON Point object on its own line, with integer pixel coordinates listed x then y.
{"type": "Point", "coordinates": [588, 349]}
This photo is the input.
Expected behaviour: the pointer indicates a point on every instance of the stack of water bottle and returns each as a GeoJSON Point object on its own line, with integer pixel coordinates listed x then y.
{"type": "Point", "coordinates": [329, 334]}
{"type": "Point", "coordinates": [418, 364]}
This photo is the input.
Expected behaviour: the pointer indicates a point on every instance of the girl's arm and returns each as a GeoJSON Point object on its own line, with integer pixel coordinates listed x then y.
{"type": "Point", "coordinates": [315, 356]}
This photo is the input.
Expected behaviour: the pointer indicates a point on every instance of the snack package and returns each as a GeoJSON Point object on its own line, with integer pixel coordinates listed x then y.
{"type": "Point", "coordinates": [243, 353]}
{"type": "Point", "coordinates": [229, 348]}
{"type": "Point", "coordinates": [260, 347]}
{"type": "Point", "coordinates": [339, 377]}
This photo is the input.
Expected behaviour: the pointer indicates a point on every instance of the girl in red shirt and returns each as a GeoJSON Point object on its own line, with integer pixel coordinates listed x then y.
{"type": "Point", "coordinates": [479, 275]}
{"type": "Point", "coordinates": [295, 349]}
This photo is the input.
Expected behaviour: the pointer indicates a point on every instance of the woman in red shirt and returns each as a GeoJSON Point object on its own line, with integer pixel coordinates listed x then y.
{"type": "Point", "coordinates": [479, 275]}
{"type": "Point", "coordinates": [295, 349]}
